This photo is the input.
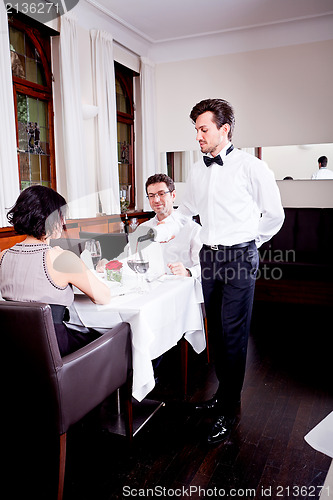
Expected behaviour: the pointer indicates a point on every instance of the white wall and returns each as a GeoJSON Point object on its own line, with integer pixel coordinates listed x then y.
{"type": "Point", "coordinates": [306, 193]}
{"type": "Point", "coordinates": [301, 193]}
{"type": "Point", "coordinates": [280, 95]}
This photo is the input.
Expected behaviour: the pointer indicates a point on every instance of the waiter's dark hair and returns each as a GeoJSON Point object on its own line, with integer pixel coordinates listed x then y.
{"type": "Point", "coordinates": [154, 179]}
{"type": "Point", "coordinates": [221, 109]}
{"type": "Point", "coordinates": [38, 211]}
{"type": "Point", "coordinates": [323, 161]}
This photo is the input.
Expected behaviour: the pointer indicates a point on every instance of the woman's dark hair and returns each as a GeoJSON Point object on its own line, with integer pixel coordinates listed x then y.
{"type": "Point", "coordinates": [38, 211]}
{"type": "Point", "coordinates": [221, 109]}
{"type": "Point", "coordinates": [154, 179]}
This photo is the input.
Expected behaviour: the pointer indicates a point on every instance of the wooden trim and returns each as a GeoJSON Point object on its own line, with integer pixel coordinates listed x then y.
{"type": "Point", "coordinates": [62, 464]}
{"type": "Point", "coordinates": [125, 76]}
{"type": "Point", "coordinates": [103, 223]}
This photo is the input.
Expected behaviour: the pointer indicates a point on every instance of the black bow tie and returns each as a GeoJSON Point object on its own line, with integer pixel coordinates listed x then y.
{"type": "Point", "coordinates": [216, 159]}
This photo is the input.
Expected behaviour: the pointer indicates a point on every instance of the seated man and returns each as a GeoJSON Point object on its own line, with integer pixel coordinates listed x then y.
{"type": "Point", "coordinates": [181, 254]}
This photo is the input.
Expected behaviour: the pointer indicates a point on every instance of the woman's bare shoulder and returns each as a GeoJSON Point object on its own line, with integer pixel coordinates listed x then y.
{"type": "Point", "coordinates": [65, 261]}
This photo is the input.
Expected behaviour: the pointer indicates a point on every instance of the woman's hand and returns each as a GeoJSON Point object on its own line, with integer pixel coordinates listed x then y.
{"type": "Point", "coordinates": [100, 268]}
{"type": "Point", "coordinates": [66, 267]}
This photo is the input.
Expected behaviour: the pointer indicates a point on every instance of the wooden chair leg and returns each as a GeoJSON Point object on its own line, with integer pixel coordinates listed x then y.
{"type": "Point", "coordinates": [206, 331]}
{"type": "Point", "coordinates": [62, 464]}
{"type": "Point", "coordinates": [207, 343]}
{"type": "Point", "coordinates": [184, 364]}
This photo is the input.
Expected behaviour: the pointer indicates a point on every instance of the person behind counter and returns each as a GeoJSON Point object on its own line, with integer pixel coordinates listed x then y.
{"type": "Point", "coordinates": [323, 172]}
{"type": "Point", "coordinates": [32, 271]}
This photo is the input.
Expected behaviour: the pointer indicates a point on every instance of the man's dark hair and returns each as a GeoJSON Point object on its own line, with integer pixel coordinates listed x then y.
{"type": "Point", "coordinates": [38, 211]}
{"type": "Point", "coordinates": [323, 161]}
{"type": "Point", "coordinates": [154, 179]}
{"type": "Point", "coordinates": [221, 109]}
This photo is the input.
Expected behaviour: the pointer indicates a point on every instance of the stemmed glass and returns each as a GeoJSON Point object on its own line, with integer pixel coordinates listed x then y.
{"type": "Point", "coordinates": [94, 247]}
{"type": "Point", "coordinates": [140, 267]}
{"type": "Point", "coordinates": [134, 223]}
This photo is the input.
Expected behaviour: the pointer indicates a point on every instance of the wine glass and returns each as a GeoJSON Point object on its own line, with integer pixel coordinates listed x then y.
{"type": "Point", "coordinates": [140, 267]}
{"type": "Point", "coordinates": [134, 223]}
{"type": "Point", "coordinates": [94, 247]}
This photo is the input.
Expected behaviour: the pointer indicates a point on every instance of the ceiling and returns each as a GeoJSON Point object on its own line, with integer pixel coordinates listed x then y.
{"type": "Point", "coordinates": [165, 20]}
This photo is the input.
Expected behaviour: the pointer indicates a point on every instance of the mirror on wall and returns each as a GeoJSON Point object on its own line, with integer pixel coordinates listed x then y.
{"type": "Point", "coordinates": [298, 162]}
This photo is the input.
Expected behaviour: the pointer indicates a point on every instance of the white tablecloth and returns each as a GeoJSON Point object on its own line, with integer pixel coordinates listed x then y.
{"type": "Point", "coordinates": [321, 436]}
{"type": "Point", "coordinates": [159, 318]}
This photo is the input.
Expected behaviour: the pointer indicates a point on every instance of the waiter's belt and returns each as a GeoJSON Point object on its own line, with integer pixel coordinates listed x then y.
{"type": "Point", "coordinates": [231, 247]}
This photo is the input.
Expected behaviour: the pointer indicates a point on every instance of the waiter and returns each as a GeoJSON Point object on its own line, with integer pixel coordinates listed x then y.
{"type": "Point", "coordinates": [240, 208]}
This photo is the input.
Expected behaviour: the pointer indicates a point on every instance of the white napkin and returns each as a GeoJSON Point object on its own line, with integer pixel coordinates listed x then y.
{"type": "Point", "coordinates": [321, 436]}
{"type": "Point", "coordinates": [86, 257]}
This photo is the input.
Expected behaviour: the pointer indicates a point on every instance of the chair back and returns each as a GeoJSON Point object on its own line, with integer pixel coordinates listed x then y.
{"type": "Point", "coordinates": [58, 391]}
{"type": "Point", "coordinates": [43, 394]}
{"type": "Point", "coordinates": [112, 244]}
{"type": "Point", "coordinates": [29, 340]}
{"type": "Point", "coordinates": [75, 245]}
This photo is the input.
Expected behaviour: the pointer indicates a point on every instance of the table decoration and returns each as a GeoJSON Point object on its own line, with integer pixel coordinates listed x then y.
{"type": "Point", "coordinates": [114, 270]}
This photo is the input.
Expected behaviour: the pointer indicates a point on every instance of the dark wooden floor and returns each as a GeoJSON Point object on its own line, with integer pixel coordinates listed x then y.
{"type": "Point", "coordinates": [287, 391]}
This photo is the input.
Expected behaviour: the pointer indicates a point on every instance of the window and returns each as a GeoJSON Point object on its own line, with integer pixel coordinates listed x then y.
{"type": "Point", "coordinates": [32, 86]}
{"type": "Point", "coordinates": [125, 133]}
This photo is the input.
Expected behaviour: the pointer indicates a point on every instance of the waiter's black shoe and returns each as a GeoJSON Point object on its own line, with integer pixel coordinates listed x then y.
{"type": "Point", "coordinates": [220, 429]}
{"type": "Point", "coordinates": [211, 404]}
{"type": "Point", "coordinates": [217, 403]}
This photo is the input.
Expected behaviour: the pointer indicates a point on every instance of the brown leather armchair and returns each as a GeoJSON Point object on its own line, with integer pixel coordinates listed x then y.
{"type": "Point", "coordinates": [57, 392]}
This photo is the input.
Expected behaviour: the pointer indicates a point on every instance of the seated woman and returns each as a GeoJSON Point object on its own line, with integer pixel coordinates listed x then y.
{"type": "Point", "coordinates": [32, 271]}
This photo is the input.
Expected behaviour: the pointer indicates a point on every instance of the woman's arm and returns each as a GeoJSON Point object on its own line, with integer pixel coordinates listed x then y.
{"type": "Point", "coordinates": [65, 267]}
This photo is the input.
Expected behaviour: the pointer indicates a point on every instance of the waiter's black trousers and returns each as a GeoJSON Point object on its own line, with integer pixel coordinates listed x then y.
{"type": "Point", "coordinates": [228, 281]}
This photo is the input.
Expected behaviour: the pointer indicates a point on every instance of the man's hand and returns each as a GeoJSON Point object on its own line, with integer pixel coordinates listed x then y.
{"type": "Point", "coordinates": [178, 269]}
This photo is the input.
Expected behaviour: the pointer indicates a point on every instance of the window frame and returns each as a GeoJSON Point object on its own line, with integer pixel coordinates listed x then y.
{"type": "Point", "coordinates": [41, 41]}
{"type": "Point", "coordinates": [125, 77]}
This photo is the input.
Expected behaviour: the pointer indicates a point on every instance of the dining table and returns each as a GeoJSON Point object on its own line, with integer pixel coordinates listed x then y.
{"type": "Point", "coordinates": [167, 310]}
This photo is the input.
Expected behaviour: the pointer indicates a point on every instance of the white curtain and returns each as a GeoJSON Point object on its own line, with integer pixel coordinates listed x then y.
{"type": "Point", "coordinates": [148, 110]}
{"type": "Point", "coordinates": [163, 163]}
{"type": "Point", "coordinates": [9, 178]}
{"type": "Point", "coordinates": [106, 123]}
{"type": "Point", "coordinates": [81, 195]}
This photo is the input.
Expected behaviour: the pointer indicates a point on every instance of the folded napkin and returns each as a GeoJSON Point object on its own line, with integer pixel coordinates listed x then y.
{"type": "Point", "coordinates": [86, 257]}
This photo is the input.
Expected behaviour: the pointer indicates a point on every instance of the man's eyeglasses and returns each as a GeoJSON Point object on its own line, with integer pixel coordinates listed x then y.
{"type": "Point", "coordinates": [160, 194]}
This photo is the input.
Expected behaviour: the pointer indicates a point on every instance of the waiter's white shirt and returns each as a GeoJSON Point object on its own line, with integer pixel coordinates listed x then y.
{"type": "Point", "coordinates": [323, 173]}
{"type": "Point", "coordinates": [185, 247]}
{"type": "Point", "coordinates": [237, 202]}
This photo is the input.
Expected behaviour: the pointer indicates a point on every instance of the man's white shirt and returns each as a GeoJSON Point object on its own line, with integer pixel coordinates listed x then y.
{"type": "Point", "coordinates": [237, 202]}
{"type": "Point", "coordinates": [185, 247]}
{"type": "Point", "coordinates": [323, 173]}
